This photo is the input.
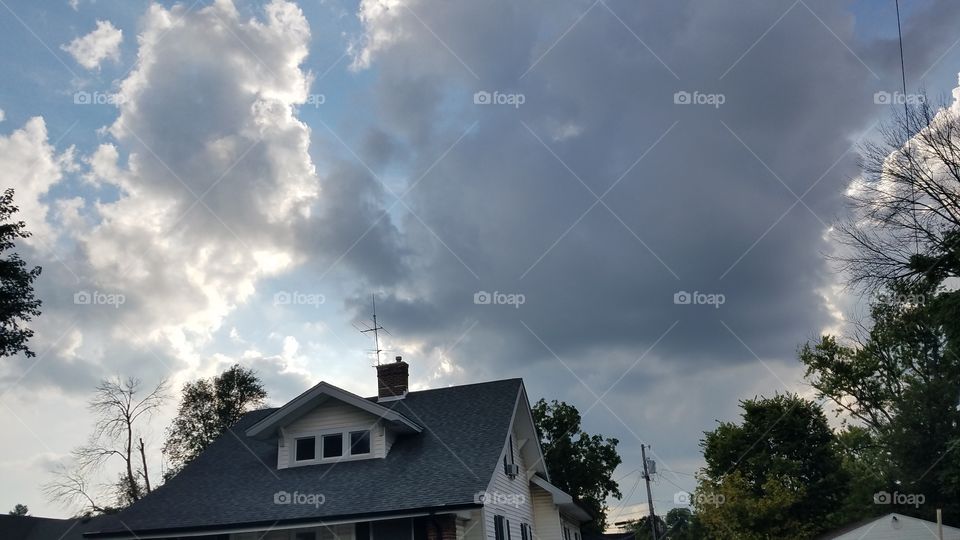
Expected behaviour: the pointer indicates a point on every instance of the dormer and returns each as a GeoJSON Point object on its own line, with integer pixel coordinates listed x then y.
{"type": "Point", "coordinates": [327, 424]}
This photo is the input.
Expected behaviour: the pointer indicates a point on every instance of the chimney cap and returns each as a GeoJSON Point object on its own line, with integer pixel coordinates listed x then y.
{"type": "Point", "coordinates": [399, 359]}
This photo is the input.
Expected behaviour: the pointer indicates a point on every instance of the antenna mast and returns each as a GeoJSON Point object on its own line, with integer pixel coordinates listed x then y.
{"type": "Point", "coordinates": [376, 330]}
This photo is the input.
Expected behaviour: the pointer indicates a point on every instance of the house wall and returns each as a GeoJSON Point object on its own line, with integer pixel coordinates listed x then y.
{"type": "Point", "coordinates": [331, 416]}
{"type": "Point", "coordinates": [546, 517]}
{"type": "Point", "coordinates": [574, 526]}
{"type": "Point", "coordinates": [509, 497]}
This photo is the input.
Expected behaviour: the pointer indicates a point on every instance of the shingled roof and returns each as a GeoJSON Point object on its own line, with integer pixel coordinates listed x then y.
{"type": "Point", "coordinates": [232, 484]}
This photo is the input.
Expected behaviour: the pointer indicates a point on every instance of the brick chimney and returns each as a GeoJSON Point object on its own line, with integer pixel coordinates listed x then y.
{"type": "Point", "coordinates": [392, 380]}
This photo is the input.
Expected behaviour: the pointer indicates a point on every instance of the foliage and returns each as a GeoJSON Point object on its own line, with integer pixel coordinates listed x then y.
{"type": "Point", "coordinates": [19, 510]}
{"type": "Point", "coordinates": [207, 409]}
{"type": "Point", "coordinates": [776, 475]}
{"type": "Point", "coordinates": [901, 383]}
{"type": "Point", "coordinates": [579, 463]}
{"type": "Point", "coordinates": [18, 305]}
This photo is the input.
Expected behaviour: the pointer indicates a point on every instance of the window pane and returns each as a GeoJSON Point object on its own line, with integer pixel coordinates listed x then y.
{"type": "Point", "coordinates": [359, 442]}
{"type": "Point", "coordinates": [306, 449]}
{"type": "Point", "coordinates": [333, 445]}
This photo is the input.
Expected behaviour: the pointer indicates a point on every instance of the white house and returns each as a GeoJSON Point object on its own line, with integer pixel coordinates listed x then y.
{"type": "Point", "coordinates": [894, 527]}
{"type": "Point", "coordinates": [462, 462]}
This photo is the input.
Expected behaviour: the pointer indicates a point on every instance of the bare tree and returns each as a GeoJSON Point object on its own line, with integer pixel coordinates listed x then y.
{"type": "Point", "coordinates": [906, 206]}
{"type": "Point", "coordinates": [120, 411]}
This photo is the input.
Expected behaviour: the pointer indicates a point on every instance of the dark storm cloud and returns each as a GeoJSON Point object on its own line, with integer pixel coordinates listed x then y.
{"type": "Point", "coordinates": [734, 199]}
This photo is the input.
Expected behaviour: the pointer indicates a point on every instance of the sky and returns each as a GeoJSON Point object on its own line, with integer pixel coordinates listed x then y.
{"type": "Point", "coordinates": [628, 205]}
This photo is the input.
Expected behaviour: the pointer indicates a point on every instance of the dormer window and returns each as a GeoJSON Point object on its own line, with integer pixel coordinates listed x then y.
{"type": "Point", "coordinates": [332, 445]}
{"type": "Point", "coordinates": [359, 442]}
{"type": "Point", "coordinates": [306, 449]}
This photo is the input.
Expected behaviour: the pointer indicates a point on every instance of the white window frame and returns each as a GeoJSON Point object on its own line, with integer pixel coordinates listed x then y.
{"type": "Point", "coordinates": [318, 436]}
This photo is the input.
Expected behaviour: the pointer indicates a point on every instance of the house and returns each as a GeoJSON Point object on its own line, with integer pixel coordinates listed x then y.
{"type": "Point", "coordinates": [893, 526]}
{"type": "Point", "coordinates": [462, 462]}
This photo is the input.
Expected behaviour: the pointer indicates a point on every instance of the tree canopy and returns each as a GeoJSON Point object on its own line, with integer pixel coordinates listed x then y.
{"type": "Point", "coordinates": [208, 407]}
{"type": "Point", "coordinates": [18, 305]}
{"type": "Point", "coordinates": [579, 463]}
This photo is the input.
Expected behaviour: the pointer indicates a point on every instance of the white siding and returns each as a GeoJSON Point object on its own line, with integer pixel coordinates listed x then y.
{"type": "Point", "coordinates": [471, 529]}
{"type": "Point", "coordinates": [509, 497]}
{"type": "Point", "coordinates": [328, 416]}
{"type": "Point", "coordinates": [546, 517]}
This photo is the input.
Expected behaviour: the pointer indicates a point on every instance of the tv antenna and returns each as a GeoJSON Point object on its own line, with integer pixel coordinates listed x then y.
{"type": "Point", "coordinates": [376, 328]}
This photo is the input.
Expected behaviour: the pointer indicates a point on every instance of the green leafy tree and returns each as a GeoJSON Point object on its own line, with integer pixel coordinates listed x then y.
{"type": "Point", "coordinates": [900, 384]}
{"type": "Point", "coordinates": [207, 409]}
{"type": "Point", "coordinates": [579, 463]}
{"type": "Point", "coordinates": [19, 510]}
{"type": "Point", "coordinates": [683, 524]}
{"type": "Point", "coordinates": [776, 475]}
{"type": "Point", "coordinates": [18, 305]}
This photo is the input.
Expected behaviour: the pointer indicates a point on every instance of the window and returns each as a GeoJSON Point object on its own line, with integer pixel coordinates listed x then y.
{"type": "Point", "coordinates": [306, 449]}
{"type": "Point", "coordinates": [526, 533]}
{"type": "Point", "coordinates": [499, 526]}
{"type": "Point", "coordinates": [309, 535]}
{"type": "Point", "coordinates": [333, 445]}
{"type": "Point", "coordinates": [566, 533]}
{"type": "Point", "coordinates": [359, 442]}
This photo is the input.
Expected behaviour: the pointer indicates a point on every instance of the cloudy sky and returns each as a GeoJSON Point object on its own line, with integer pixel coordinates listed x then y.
{"type": "Point", "coordinates": [526, 187]}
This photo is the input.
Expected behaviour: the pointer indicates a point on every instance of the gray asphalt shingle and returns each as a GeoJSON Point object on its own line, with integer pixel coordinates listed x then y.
{"type": "Point", "coordinates": [234, 481]}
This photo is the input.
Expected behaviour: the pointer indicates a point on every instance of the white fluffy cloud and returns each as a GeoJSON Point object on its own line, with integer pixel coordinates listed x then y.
{"type": "Point", "coordinates": [92, 49]}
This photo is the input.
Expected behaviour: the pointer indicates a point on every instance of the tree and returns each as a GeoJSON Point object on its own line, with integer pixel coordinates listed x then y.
{"type": "Point", "coordinates": [207, 409]}
{"type": "Point", "coordinates": [776, 475]}
{"type": "Point", "coordinates": [900, 383]}
{"type": "Point", "coordinates": [19, 510]}
{"type": "Point", "coordinates": [18, 305]}
{"type": "Point", "coordinates": [683, 524]}
{"type": "Point", "coordinates": [120, 413]}
{"type": "Point", "coordinates": [905, 220]}
{"type": "Point", "coordinates": [579, 463]}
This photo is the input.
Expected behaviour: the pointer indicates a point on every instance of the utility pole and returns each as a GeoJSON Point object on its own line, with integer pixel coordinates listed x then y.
{"type": "Point", "coordinates": [646, 477]}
